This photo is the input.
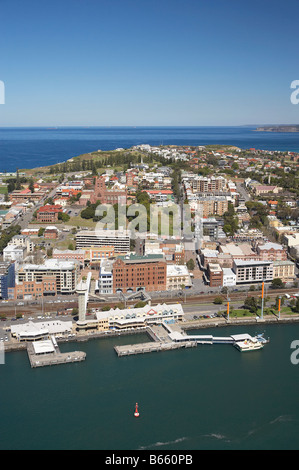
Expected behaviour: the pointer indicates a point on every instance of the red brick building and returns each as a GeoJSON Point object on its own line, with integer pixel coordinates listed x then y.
{"type": "Point", "coordinates": [133, 273]}
{"type": "Point", "coordinates": [28, 290]}
{"type": "Point", "coordinates": [48, 213]}
{"type": "Point", "coordinates": [215, 275]}
{"type": "Point", "coordinates": [109, 196]}
{"type": "Point", "coordinates": [51, 233]}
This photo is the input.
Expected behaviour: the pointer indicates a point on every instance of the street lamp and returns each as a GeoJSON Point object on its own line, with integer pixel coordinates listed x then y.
{"type": "Point", "coordinates": [228, 301]}
{"type": "Point", "coordinates": [262, 309]}
{"type": "Point", "coordinates": [279, 306]}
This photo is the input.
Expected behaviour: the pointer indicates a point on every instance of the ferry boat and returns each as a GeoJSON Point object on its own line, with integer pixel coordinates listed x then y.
{"type": "Point", "coordinates": [249, 344]}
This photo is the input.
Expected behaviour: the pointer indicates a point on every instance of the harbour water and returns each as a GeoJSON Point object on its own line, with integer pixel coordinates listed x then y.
{"type": "Point", "coordinates": [209, 397]}
{"type": "Point", "coordinates": [34, 147]}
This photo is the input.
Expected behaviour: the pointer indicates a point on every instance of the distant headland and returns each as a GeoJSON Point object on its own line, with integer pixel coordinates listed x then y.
{"type": "Point", "coordinates": [283, 128]}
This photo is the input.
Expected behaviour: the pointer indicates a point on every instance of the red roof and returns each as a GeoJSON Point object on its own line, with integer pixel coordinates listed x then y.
{"type": "Point", "coordinates": [50, 208]}
{"type": "Point", "coordinates": [159, 191]}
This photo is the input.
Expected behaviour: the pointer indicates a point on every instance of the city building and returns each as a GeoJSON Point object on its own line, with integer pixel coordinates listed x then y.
{"type": "Point", "coordinates": [213, 205]}
{"type": "Point", "coordinates": [260, 189]}
{"type": "Point", "coordinates": [202, 184]}
{"type": "Point", "coordinates": [229, 277]}
{"type": "Point", "coordinates": [69, 255]}
{"type": "Point", "coordinates": [95, 254]}
{"type": "Point", "coordinates": [58, 276]}
{"type": "Point", "coordinates": [132, 273]}
{"type": "Point", "coordinates": [210, 227]}
{"type": "Point", "coordinates": [114, 195]}
{"type": "Point", "coordinates": [14, 253]}
{"type": "Point", "coordinates": [105, 281]}
{"type": "Point", "coordinates": [7, 279]}
{"type": "Point", "coordinates": [178, 277]}
{"type": "Point", "coordinates": [119, 239]}
{"type": "Point", "coordinates": [214, 275]}
{"type": "Point", "coordinates": [291, 239]}
{"type": "Point", "coordinates": [271, 251]}
{"type": "Point", "coordinates": [253, 271]}
{"type": "Point", "coordinates": [51, 232]}
{"type": "Point", "coordinates": [242, 251]}
{"type": "Point", "coordinates": [25, 195]}
{"type": "Point", "coordinates": [160, 195]}
{"type": "Point", "coordinates": [131, 318]}
{"type": "Point", "coordinates": [33, 290]}
{"type": "Point", "coordinates": [284, 270]}
{"type": "Point", "coordinates": [48, 213]}
{"type": "Point", "coordinates": [33, 331]}
{"type": "Point", "coordinates": [23, 241]}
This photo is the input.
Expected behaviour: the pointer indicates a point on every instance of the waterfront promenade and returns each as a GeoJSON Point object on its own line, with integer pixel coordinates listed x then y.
{"type": "Point", "coordinates": [159, 340]}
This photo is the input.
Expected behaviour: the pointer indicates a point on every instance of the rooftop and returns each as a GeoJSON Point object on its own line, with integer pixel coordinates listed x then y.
{"type": "Point", "coordinates": [251, 262]}
{"type": "Point", "coordinates": [142, 259]}
{"type": "Point", "coordinates": [270, 246]}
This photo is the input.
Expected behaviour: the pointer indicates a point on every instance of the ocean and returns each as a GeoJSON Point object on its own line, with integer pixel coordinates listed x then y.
{"type": "Point", "coordinates": [32, 147]}
{"type": "Point", "coordinates": [212, 397]}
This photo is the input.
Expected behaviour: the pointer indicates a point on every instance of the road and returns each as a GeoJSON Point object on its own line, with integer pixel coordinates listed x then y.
{"type": "Point", "coordinates": [242, 191]}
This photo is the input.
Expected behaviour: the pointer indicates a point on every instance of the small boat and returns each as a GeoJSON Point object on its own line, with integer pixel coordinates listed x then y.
{"type": "Point", "coordinates": [136, 414]}
{"type": "Point", "coordinates": [260, 337]}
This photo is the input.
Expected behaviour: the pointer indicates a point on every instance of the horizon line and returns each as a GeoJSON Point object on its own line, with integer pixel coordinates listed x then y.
{"type": "Point", "coordinates": [55, 126]}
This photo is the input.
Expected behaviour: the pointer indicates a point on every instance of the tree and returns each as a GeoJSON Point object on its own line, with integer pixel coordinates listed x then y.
{"type": "Point", "coordinates": [251, 304]}
{"type": "Point", "coordinates": [277, 283]}
{"type": "Point", "coordinates": [63, 216]}
{"type": "Point", "coordinates": [140, 304]}
{"type": "Point", "coordinates": [18, 182]}
{"type": "Point", "coordinates": [190, 264]}
{"type": "Point", "coordinates": [88, 213]}
{"type": "Point", "coordinates": [31, 185]}
{"type": "Point", "coordinates": [218, 300]}
{"type": "Point", "coordinates": [50, 252]}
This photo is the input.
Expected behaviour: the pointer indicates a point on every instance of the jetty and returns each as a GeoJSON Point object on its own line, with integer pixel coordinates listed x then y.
{"type": "Point", "coordinates": [47, 353]}
{"type": "Point", "coordinates": [168, 337]}
{"type": "Point", "coordinates": [142, 348]}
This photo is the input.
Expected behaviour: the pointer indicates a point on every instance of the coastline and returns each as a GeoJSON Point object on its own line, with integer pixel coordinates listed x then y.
{"type": "Point", "coordinates": [185, 325]}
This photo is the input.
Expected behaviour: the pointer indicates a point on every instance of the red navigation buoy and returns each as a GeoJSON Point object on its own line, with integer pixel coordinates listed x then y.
{"type": "Point", "coordinates": [136, 414]}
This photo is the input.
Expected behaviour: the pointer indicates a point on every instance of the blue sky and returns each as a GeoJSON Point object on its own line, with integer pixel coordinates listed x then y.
{"type": "Point", "coordinates": [157, 62]}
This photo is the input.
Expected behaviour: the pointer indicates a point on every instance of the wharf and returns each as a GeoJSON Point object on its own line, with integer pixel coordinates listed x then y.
{"type": "Point", "coordinates": [53, 357]}
{"type": "Point", "coordinates": [161, 342]}
{"type": "Point", "coordinates": [169, 337]}
{"type": "Point", "coordinates": [141, 348]}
